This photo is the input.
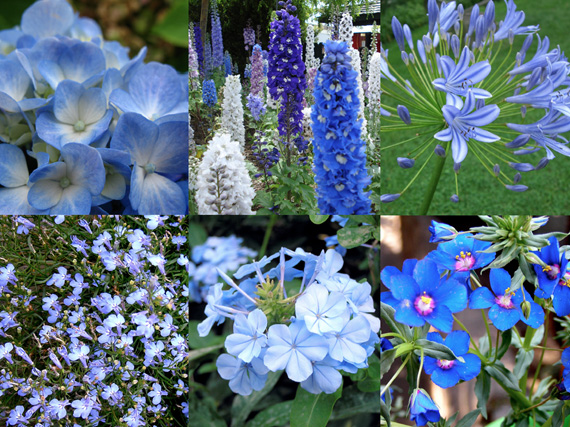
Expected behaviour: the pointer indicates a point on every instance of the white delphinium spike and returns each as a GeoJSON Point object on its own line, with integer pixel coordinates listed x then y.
{"type": "Point", "coordinates": [271, 103]}
{"type": "Point", "coordinates": [345, 28]}
{"type": "Point", "coordinates": [355, 62]}
{"type": "Point", "coordinates": [307, 124]}
{"type": "Point", "coordinates": [232, 110]}
{"type": "Point", "coordinates": [374, 83]}
{"type": "Point", "coordinates": [310, 60]}
{"type": "Point", "coordinates": [224, 186]}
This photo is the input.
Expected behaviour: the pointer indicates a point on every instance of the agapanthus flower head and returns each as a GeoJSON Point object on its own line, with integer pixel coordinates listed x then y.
{"type": "Point", "coordinates": [418, 294]}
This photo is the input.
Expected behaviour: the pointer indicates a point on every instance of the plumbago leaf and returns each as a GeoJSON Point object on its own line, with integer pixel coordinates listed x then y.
{"type": "Point", "coordinates": [244, 405]}
{"type": "Point", "coordinates": [354, 402]}
{"type": "Point", "coordinates": [312, 410]}
{"type": "Point", "coordinates": [351, 237]}
{"type": "Point", "coordinates": [318, 219]}
{"type": "Point", "coordinates": [275, 415]}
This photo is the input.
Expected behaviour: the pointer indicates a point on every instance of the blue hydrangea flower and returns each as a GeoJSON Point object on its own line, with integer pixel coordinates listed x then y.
{"type": "Point", "coordinates": [293, 348]}
{"type": "Point", "coordinates": [248, 338]}
{"type": "Point", "coordinates": [339, 151]}
{"type": "Point", "coordinates": [422, 295]}
{"type": "Point", "coordinates": [244, 377]}
{"type": "Point", "coordinates": [156, 150]}
{"type": "Point", "coordinates": [79, 115]}
{"type": "Point", "coordinates": [67, 186]}
{"type": "Point", "coordinates": [462, 254]}
{"type": "Point", "coordinates": [154, 91]}
{"type": "Point", "coordinates": [465, 124]}
{"type": "Point", "coordinates": [447, 373]}
{"type": "Point", "coordinates": [505, 305]}
{"type": "Point", "coordinates": [422, 408]}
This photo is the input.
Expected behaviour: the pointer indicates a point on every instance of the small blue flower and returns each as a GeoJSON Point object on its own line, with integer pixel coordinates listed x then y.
{"type": "Point", "coordinates": [464, 124]}
{"type": "Point", "coordinates": [18, 417]}
{"type": "Point", "coordinates": [422, 295]}
{"type": "Point", "coordinates": [293, 348]}
{"type": "Point", "coordinates": [422, 408]}
{"type": "Point", "coordinates": [325, 377]}
{"type": "Point", "coordinates": [513, 21]}
{"type": "Point", "coordinates": [505, 305]}
{"type": "Point", "coordinates": [565, 359]}
{"type": "Point", "coordinates": [322, 311]}
{"type": "Point", "coordinates": [441, 232]}
{"type": "Point", "coordinates": [447, 373]}
{"type": "Point", "coordinates": [244, 377]}
{"type": "Point", "coordinates": [556, 263]}
{"type": "Point", "coordinates": [346, 344]}
{"type": "Point", "coordinates": [248, 338]}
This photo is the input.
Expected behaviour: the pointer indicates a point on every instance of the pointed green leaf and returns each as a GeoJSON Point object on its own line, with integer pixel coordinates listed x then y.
{"type": "Point", "coordinates": [312, 410]}
{"type": "Point", "coordinates": [274, 416]}
{"type": "Point", "coordinates": [244, 405]}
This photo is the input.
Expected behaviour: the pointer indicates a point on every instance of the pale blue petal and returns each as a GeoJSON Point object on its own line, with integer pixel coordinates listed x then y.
{"type": "Point", "coordinates": [75, 200]}
{"type": "Point", "coordinates": [170, 152]}
{"type": "Point", "coordinates": [14, 201]}
{"type": "Point", "coordinates": [277, 357]}
{"type": "Point", "coordinates": [483, 135]}
{"type": "Point", "coordinates": [47, 18]}
{"type": "Point", "coordinates": [159, 195]}
{"type": "Point", "coordinates": [51, 72]}
{"type": "Point", "coordinates": [135, 135]}
{"type": "Point", "coordinates": [53, 171]}
{"type": "Point", "coordinates": [299, 367]}
{"type": "Point", "coordinates": [45, 194]}
{"type": "Point", "coordinates": [84, 167]}
{"type": "Point", "coordinates": [66, 100]}
{"type": "Point", "coordinates": [92, 105]}
{"type": "Point", "coordinates": [227, 366]}
{"type": "Point", "coordinates": [13, 167]}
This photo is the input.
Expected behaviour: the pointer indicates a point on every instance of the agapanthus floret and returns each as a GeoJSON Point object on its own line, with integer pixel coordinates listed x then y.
{"type": "Point", "coordinates": [505, 305]}
{"type": "Point", "coordinates": [464, 124]}
{"type": "Point", "coordinates": [418, 294]}
{"type": "Point", "coordinates": [512, 22]}
{"type": "Point", "coordinates": [447, 373]}
{"type": "Point", "coordinates": [462, 254]}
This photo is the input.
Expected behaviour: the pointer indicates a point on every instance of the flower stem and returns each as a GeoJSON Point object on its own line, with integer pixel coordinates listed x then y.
{"type": "Point", "coordinates": [387, 386]}
{"type": "Point", "coordinates": [439, 162]}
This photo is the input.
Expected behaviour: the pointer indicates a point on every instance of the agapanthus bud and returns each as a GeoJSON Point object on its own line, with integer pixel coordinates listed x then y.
{"type": "Point", "coordinates": [455, 45]}
{"type": "Point", "coordinates": [398, 33]}
{"type": "Point", "coordinates": [496, 170]}
{"type": "Point", "coordinates": [408, 36]}
{"type": "Point", "coordinates": [480, 32]}
{"type": "Point", "coordinates": [405, 58]}
{"type": "Point", "coordinates": [433, 14]}
{"type": "Point", "coordinates": [387, 198]}
{"type": "Point", "coordinates": [518, 142]}
{"type": "Point", "coordinates": [511, 36]}
{"type": "Point", "coordinates": [522, 167]}
{"type": "Point", "coordinates": [542, 163]}
{"type": "Point", "coordinates": [473, 19]}
{"type": "Point", "coordinates": [439, 150]}
{"type": "Point", "coordinates": [428, 44]}
{"type": "Point", "coordinates": [489, 14]}
{"type": "Point", "coordinates": [517, 188]}
{"type": "Point", "coordinates": [405, 163]}
{"type": "Point", "coordinates": [404, 114]}
{"type": "Point", "coordinates": [460, 12]}
{"type": "Point", "coordinates": [421, 51]}
{"type": "Point", "coordinates": [517, 178]}
{"type": "Point", "coordinates": [454, 198]}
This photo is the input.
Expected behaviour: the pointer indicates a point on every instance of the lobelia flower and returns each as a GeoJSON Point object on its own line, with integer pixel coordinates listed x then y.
{"type": "Point", "coordinates": [232, 110]}
{"type": "Point", "coordinates": [505, 305]}
{"type": "Point", "coordinates": [339, 151]}
{"type": "Point", "coordinates": [418, 294]}
{"type": "Point", "coordinates": [422, 408]}
{"type": "Point", "coordinates": [224, 185]}
{"type": "Point", "coordinates": [554, 279]}
{"type": "Point", "coordinates": [447, 373]}
{"type": "Point", "coordinates": [465, 124]}
{"type": "Point", "coordinates": [159, 154]}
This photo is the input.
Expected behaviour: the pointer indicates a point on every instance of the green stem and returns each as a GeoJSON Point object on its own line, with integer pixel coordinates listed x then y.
{"type": "Point", "coordinates": [271, 223]}
{"type": "Point", "coordinates": [542, 353]}
{"type": "Point", "coordinates": [387, 386]}
{"type": "Point", "coordinates": [439, 162]}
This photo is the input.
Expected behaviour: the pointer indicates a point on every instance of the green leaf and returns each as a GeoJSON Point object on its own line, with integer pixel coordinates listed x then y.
{"type": "Point", "coordinates": [503, 375]}
{"type": "Point", "coordinates": [372, 381]}
{"type": "Point", "coordinates": [523, 361]}
{"type": "Point", "coordinates": [244, 405]}
{"type": "Point", "coordinates": [386, 359]}
{"type": "Point", "coordinates": [196, 354]}
{"type": "Point", "coordinates": [469, 419]}
{"type": "Point", "coordinates": [354, 402]}
{"type": "Point", "coordinates": [318, 219]}
{"type": "Point", "coordinates": [506, 338]}
{"type": "Point", "coordinates": [195, 341]}
{"type": "Point", "coordinates": [435, 350]}
{"type": "Point", "coordinates": [263, 198]}
{"type": "Point", "coordinates": [384, 413]}
{"type": "Point", "coordinates": [174, 26]}
{"type": "Point", "coordinates": [387, 313]}
{"type": "Point", "coordinates": [482, 391]}
{"type": "Point", "coordinates": [274, 416]}
{"type": "Point", "coordinates": [353, 237]}
{"type": "Point", "coordinates": [312, 410]}
{"type": "Point", "coordinates": [197, 235]}
{"type": "Point", "coordinates": [537, 338]}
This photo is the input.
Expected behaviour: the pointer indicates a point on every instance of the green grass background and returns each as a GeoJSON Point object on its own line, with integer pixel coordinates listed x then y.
{"type": "Point", "coordinates": [479, 191]}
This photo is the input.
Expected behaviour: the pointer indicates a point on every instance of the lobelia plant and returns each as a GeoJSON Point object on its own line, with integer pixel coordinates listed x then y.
{"type": "Point", "coordinates": [448, 281]}
{"type": "Point", "coordinates": [466, 91]}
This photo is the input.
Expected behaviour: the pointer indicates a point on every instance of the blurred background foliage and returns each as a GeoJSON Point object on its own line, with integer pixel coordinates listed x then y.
{"type": "Point", "coordinates": [161, 25]}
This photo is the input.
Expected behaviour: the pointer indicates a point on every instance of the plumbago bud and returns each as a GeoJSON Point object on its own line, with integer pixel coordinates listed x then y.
{"type": "Point", "coordinates": [224, 186]}
{"type": "Point", "coordinates": [339, 151]}
{"type": "Point", "coordinates": [232, 110]}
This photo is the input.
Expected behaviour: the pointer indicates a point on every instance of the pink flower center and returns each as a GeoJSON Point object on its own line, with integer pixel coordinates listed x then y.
{"type": "Point", "coordinates": [464, 261]}
{"type": "Point", "coordinates": [552, 271]}
{"type": "Point", "coordinates": [505, 300]}
{"type": "Point", "coordinates": [424, 304]}
{"type": "Point", "coordinates": [445, 364]}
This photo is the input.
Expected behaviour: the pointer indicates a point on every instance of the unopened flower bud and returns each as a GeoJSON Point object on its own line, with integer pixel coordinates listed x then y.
{"type": "Point", "coordinates": [404, 114]}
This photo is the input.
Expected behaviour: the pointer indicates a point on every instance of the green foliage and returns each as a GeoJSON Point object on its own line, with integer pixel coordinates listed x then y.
{"type": "Point", "coordinates": [312, 410]}
{"type": "Point", "coordinates": [173, 27]}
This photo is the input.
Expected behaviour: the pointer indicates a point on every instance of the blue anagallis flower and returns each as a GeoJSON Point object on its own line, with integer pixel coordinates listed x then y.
{"type": "Point", "coordinates": [464, 124]}
{"type": "Point", "coordinates": [462, 254]}
{"type": "Point", "coordinates": [505, 305]}
{"type": "Point", "coordinates": [554, 279]}
{"type": "Point", "coordinates": [447, 373]}
{"type": "Point", "coordinates": [460, 77]}
{"type": "Point", "coordinates": [422, 408]}
{"type": "Point", "coordinates": [441, 232]}
{"type": "Point", "coordinates": [566, 363]}
{"type": "Point", "coordinates": [422, 295]}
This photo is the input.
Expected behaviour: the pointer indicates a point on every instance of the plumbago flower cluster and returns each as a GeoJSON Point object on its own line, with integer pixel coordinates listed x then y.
{"type": "Point", "coordinates": [469, 92]}
{"type": "Point", "coordinates": [94, 312]}
{"type": "Point", "coordinates": [72, 109]}
{"type": "Point", "coordinates": [325, 326]}
{"type": "Point", "coordinates": [433, 291]}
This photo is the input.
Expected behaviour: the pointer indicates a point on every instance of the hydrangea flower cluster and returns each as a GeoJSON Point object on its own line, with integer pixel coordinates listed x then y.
{"type": "Point", "coordinates": [328, 326]}
{"type": "Point", "coordinates": [66, 90]}
{"type": "Point", "coordinates": [232, 110]}
{"type": "Point", "coordinates": [339, 151]}
{"type": "Point", "coordinates": [224, 185]}
{"type": "Point", "coordinates": [286, 74]}
{"type": "Point", "coordinates": [112, 339]}
{"type": "Point", "coordinates": [224, 253]}
{"type": "Point", "coordinates": [477, 110]}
